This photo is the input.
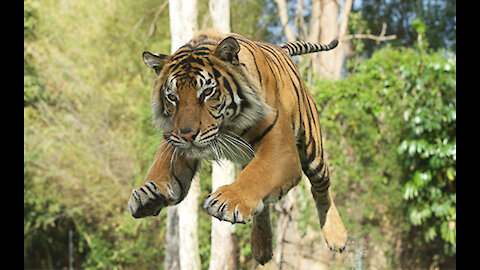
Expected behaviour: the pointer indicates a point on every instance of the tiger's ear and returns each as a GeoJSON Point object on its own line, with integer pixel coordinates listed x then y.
{"type": "Point", "coordinates": [155, 61]}
{"type": "Point", "coordinates": [228, 50]}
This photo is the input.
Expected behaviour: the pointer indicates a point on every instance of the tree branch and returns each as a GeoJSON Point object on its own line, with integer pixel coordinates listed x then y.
{"type": "Point", "coordinates": [378, 38]}
{"type": "Point", "coordinates": [370, 36]}
{"type": "Point", "coordinates": [159, 10]}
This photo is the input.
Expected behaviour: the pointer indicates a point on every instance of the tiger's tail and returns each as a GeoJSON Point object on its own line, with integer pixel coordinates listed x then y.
{"type": "Point", "coordinates": [302, 47]}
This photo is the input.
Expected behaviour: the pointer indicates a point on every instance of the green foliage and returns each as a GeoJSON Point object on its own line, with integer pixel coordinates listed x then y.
{"type": "Point", "coordinates": [406, 19]}
{"type": "Point", "coordinates": [389, 130]}
{"type": "Point", "coordinates": [126, 242]}
{"type": "Point", "coordinates": [31, 85]}
{"type": "Point", "coordinates": [88, 137]}
{"type": "Point", "coordinates": [390, 134]}
{"type": "Point", "coordinates": [429, 147]}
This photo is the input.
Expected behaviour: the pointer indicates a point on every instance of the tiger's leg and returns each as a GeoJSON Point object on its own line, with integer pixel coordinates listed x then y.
{"type": "Point", "coordinates": [167, 183]}
{"type": "Point", "coordinates": [261, 237]}
{"type": "Point", "coordinates": [316, 170]}
{"type": "Point", "coordinates": [273, 171]}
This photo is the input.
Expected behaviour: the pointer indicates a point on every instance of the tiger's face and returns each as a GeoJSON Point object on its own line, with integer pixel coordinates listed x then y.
{"type": "Point", "coordinates": [200, 97]}
{"type": "Point", "coordinates": [197, 106]}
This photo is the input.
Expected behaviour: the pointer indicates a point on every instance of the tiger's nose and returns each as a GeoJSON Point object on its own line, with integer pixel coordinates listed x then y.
{"type": "Point", "coordinates": [188, 134]}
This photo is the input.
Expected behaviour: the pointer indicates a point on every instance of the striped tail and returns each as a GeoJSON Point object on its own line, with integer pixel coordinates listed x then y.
{"type": "Point", "coordinates": [302, 47]}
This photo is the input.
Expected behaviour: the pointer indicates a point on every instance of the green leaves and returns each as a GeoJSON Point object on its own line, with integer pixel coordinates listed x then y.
{"type": "Point", "coordinates": [395, 116]}
{"type": "Point", "coordinates": [429, 146]}
{"type": "Point", "coordinates": [419, 26]}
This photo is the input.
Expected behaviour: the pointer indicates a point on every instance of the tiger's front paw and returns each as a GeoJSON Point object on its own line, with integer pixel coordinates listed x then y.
{"type": "Point", "coordinates": [227, 203]}
{"type": "Point", "coordinates": [149, 198]}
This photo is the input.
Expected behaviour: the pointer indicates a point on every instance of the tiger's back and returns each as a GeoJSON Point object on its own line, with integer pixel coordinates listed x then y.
{"type": "Point", "coordinates": [283, 89]}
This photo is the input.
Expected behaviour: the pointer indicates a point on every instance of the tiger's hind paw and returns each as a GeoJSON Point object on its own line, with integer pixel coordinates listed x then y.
{"type": "Point", "coordinates": [334, 231]}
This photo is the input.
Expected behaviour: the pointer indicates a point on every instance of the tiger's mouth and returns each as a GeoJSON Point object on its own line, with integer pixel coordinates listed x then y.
{"type": "Point", "coordinates": [212, 146]}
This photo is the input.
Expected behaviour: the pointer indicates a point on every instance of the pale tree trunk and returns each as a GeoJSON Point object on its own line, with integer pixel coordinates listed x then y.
{"type": "Point", "coordinates": [220, 13]}
{"type": "Point", "coordinates": [328, 21]}
{"type": "Point", "coordinates": [183, 21]}
{"type": "Point", "coordinates": [329, 31]}
{"type": "Point", "coordinates": [342, 34]}
{"type": "Point", "coordinates": [188, 227]}
{"type": "Point", "coordinates": [182, 220]}
{"type": "Point", "coordinates": [172, 258]}
{"type": "Point", "coordinates": [222, 255]}
{"type": "Point", "coordinates": [329, 64]}
{"type": "Point", "coordinates": [314, 36]}
{"type": "Point", "coordinates": [286, 250]}
{"type": "Point", "coordinates": [324, 27]}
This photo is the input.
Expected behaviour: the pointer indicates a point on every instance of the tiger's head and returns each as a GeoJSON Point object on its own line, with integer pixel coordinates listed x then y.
{"type": "Point", "coordinates": [203, 97]}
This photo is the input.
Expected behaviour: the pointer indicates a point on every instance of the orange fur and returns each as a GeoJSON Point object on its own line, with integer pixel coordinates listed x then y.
{"type": "Point", "coordinates": [224, 96]}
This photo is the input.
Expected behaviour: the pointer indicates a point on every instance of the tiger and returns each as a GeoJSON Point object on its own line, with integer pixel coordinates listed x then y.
{"type": "Point", "coordinates": [223, 96]}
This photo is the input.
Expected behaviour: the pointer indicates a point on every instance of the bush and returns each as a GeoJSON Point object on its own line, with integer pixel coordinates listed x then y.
{"type": "Point", "coordinates": [390, 132]}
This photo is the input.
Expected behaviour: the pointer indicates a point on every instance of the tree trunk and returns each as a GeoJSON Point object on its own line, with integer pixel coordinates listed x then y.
{"type": "Point", "coordinates": [183, 21]}
{"type": "Point", "coordinates": [314, 36]}
{"type": "Point", "coordinates": [286, 251]}
{"type": "Point", "coordinates": [172, 258]}
{"type": "Point", "coordinates": [182, 220]}
{"type": "Point", "coordinates": [329, 64]}
{"type": "Point", "coordinates": [188, 227]}
{"type": "Point", "coordinates": [223, 248]}
{"type": "Point", "coordinates": [324, 27]}
{"type": "Point", "coordinates": [324, 66]}
{"type": "Point", "coordinates": [342, 34]}
{"type": "Point", "coordinates": [220, 12]}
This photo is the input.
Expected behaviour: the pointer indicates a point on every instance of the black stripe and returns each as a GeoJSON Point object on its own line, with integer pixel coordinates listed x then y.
{"type": "Point", "coordinates": [296, 90]}
{"type": "Point", "coordinates": [270, 60]}
{"type": "Point", "coordinates": [226, 84]}
{"type": "Point", "coordinates": [315, 125]}
{"type": "Point", "coordinates": [321, 185]}
{"type": "Point", "coordinates": [210, 136]}
{"type": "Point", "coordinates": [202, 48]}
{"type": "Point", "coordinates": [243, 103]}
{"type": "Point", "coordinates": [312, 172]}
{"type": "Point", "coordinates": [179, 55]}
{"type": "Point", "coordinates": [137, 197]}
{"type": "Point", "coordinates": [304, 98]}
{"type": "Point", "coordinates": [260, 137]}
{"type": "Point", "coordinates": [253, 56]}
{"type": "Point", "coordinates": [216, 116]}
{"type": "Point", "coordinates": [222, 207]}
{"type": "Point", "coordinates": [216, 73]}
{"type": "Point", "coordinates": [157, 196]}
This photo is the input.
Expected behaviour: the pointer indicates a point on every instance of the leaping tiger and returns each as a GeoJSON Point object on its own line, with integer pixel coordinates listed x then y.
{"type": "Point", "coordinates": [224, 96]}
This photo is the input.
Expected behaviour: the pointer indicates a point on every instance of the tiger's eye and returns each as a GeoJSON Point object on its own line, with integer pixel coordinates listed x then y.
{"type": "Point", "coordinates": [207, 91]}
{"type": "Point", "coordinates": [171, 97]}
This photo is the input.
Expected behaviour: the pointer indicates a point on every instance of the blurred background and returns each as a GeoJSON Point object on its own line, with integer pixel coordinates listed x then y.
{"type": "Point", "coordinates": [387, 103]}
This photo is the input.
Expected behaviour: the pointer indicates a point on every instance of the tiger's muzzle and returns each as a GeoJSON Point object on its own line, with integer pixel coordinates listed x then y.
{"type": "Point", "coordinates": [195, 142]}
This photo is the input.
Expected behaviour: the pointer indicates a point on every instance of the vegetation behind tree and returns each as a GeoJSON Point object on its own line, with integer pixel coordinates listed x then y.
{"type": "Point", "coordinates": [389, 130]}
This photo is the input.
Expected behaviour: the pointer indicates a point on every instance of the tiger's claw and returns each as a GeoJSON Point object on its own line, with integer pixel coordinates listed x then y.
{"type": "Point", "coordinates": [148, 200]}
{"type": "Point", "coordinates": [226, 205]}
